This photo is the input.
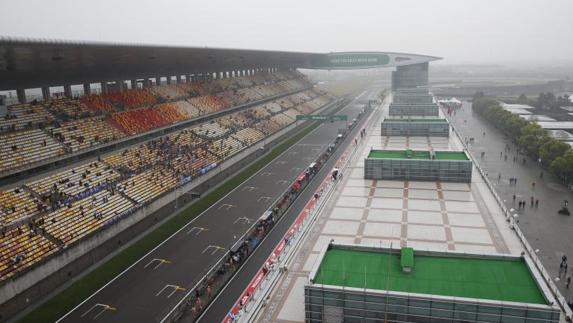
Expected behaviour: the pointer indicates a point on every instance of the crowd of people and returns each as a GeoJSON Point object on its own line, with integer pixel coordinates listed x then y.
{"type": "Point", "coordinates": [70, 205]}
{"type": "Point", "coordinates": [65, 125]}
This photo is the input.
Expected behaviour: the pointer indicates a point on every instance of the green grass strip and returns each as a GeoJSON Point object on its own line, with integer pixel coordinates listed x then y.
{"type": "Point", "coordinates": [66, 300]}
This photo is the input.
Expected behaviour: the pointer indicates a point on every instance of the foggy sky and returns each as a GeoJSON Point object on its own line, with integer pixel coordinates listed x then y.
{"type": "Point", "coordinates": [461, 31]}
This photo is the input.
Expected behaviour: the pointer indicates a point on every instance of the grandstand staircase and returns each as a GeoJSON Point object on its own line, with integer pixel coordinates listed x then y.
{"type": "Point", "coordinates": [50, 237]}
{"type": "Point", "coordinates": [127, 197]}
{"type": "Point", "coordinates": [244, 143]}
{"type": "Point", "coordinates": [31, 191]}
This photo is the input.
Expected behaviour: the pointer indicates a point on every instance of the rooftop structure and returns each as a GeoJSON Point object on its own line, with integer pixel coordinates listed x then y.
{"type": "Point", "coordinates": [414, 110]}
{"type": "Point", "coordinates": [414, 154]}
{"type": "Point", "coordinates": [415, 127]}
{"type": "Point", "coordinates": [556, 125]}
{"type": "Point", "coordinates": [469, 287]}
{"type": "Point", "coordinates": [41, 63]}
{"type": "Point", "coordinates": [458, 275]}
{"type": "Point", "coordinates": [517, 108]}
{"type": "Point", "coordinates": [536, 117]}
{"type": "Point", "coordinates": [447, 166]}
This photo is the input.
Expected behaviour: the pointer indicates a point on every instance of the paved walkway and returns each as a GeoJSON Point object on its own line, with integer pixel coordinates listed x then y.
{"type": "Point", "coordinates": [545, 230]}
{"type": "Point", "coordinates": [439, 216]}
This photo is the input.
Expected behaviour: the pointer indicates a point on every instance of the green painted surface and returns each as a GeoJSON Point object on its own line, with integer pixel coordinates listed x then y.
{"type": "Point", "coordinates": [398, 154]}
{"type": "Point", "coordinates": [416, 154]}
{"type": "Point", "coordinates": [390, 120]}
{"type": "Point", "coordinates": [451, 155]}
{"type": "Point", "coordinates": [407, 257]}
{"type": "Point", "coordinates": [500, 280]}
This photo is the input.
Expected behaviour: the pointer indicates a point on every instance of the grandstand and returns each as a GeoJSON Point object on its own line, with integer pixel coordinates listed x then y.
{"type": "Point", "coordinates": [46, 128]}
{"type": "Point", "coordinates": [82, 169]}
{"type": "Point", "coordinates": [68, 206]}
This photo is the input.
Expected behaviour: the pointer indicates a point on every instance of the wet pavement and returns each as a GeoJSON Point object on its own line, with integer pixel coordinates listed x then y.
{"type": "Point", "coordinates": [545, 229]}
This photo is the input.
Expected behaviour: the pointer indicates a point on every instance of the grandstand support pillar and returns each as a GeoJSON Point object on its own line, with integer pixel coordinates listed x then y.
{"type": "Point", "coordinates": [46, 93]}
{"type": "Point", "coordinates": [169, 79]}
{"type": "Point", "coordinates": [68, 91]}
{"type": "Point", "coordinates": [103, 87]}
{"type": "Point", "coordinates": [21, 94]}
{"type": "Point", "coordinates": [178, 77]}
{"type": "Point", "coordinates": [87, 88]}
{"type": "Point", "coordinates": [134, 84]}
{"type": "Point", "coordinates": [158, 80]}
{"type": "Point", "coordinates": [120, 85]}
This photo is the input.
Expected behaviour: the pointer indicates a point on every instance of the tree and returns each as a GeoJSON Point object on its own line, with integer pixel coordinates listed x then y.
{"type": "Point", "coordinates": [478, 95]}
{"type": "Point", "coordinates": [481, 103]}
{"type": "Point", "coordinates": [562, 166]}
{"type": "Point", "coordinates": [522, 99]}
{"type": "Point", "coordinates": [552, 149]}
{"type": "Point", "coordinates": [532, 136]}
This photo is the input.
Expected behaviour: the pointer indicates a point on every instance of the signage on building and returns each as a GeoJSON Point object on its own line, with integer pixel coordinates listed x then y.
{"type": "Point", "coordinates": [350, 60]}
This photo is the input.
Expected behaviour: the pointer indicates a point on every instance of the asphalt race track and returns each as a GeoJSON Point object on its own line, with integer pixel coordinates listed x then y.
{"type": "Point", "coordinates": [221, 305]}
{"type": "Point", "coordinates": [147, 290]}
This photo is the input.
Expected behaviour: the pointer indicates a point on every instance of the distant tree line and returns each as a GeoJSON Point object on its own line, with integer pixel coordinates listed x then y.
{"type": "Point", "coordinates": [529, 136]}
{"type": "Point", "coordinates": [546, 101]}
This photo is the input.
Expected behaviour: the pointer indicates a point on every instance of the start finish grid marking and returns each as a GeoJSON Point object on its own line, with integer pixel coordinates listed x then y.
{"type": "Point", "coordinates": [213, 249]}
{"type": "Point", "coordinates": [197, 230]}
{"type": "Point", "coordinates": [173, 288]}
{"type": "Point", "coordinates": [102, 307]}
{"type": "Point", "coordinates": [158, 262]}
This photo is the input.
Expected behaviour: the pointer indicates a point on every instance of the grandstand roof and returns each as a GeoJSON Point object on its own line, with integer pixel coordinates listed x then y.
{"type": "Point", "coordinates": [30, 63]}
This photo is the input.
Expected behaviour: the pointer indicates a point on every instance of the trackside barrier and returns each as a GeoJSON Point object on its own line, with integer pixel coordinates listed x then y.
{"type": "Point", "coordinates": [282, 203]}
{"type": "Point", "coordinates": [514, 225]}
{"type": "Point", "coordinates": [252, 298]}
